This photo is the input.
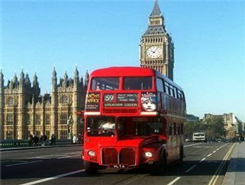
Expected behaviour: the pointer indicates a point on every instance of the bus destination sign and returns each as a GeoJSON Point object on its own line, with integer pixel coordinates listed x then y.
{"type": "Point", "coordinates": [127, 97]}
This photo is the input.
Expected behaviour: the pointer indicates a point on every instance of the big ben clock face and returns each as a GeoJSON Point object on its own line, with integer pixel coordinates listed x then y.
{"type": "Point", "coordinates": [154, 52]}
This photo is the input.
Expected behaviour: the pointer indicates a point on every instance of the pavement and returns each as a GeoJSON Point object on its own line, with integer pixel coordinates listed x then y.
{"type": "Point", "coordinates": [37, 147]}
{"type": "Point", "coordinates": [235, 174]}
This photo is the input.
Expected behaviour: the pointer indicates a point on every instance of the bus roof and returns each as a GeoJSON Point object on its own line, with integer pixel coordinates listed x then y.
{"type": "Point", "coordinates": [123, 71]}
{"type": "Point", "coordinates": [132, 72]}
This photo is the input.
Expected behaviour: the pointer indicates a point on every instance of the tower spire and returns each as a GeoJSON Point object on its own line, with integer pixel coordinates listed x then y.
{"type": "Point", "coordinates": [156, 10]}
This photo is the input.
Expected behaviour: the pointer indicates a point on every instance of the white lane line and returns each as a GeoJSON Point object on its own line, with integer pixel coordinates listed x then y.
{"type": "Point", "coordinates": [209, 155]}
{"type": "Point", "coordinates": [52, 178]}
{"type": "Point", "coordinates": [69, 156]}
{"type": "Point", "coordinates": [191, 168]}
{"type": "Point", "coordinates": [203, 159]}
{"type": "Point", "coordinates": [192, 145]}
{"type": "Point", "coordinates": [18, 164]}
{"type": "Point", "coordinates": [174, 181]}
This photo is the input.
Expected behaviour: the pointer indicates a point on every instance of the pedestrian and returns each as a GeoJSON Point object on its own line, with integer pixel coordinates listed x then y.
{"type": "Point", "coordinates": [43, 139]}
{"type": "Point", "coordinates": [52, 139]}
{"type": "Point", "coordinates": [79, 138]}
{"type": "Point", "coordinates": [74, 139]}
{"type": "Point", "coordinates": [30, 140]}
{"type": "Point", "coordinates": [35, 140]}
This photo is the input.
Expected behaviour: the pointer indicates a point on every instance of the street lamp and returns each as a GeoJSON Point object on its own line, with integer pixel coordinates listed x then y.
{"type": "Point", "coordinates": [69, 124]}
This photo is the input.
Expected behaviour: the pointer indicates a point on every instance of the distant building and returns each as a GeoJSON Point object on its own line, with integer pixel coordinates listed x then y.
{"type": "Point", "coordinates": [233, 125]}
{"type": "Point", "coordinates": [23, 111]}
{"type": "Point", "coordinates": [191, 117]}
{"type": "Point", "coordinates": [156, 45]}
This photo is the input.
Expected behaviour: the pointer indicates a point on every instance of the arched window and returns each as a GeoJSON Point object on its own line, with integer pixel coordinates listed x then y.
{"type": "Point", "coordinates": [37, 119]}
{"type": "Point", "coordinates": [10, 101]}
{"type": "Point", "coordinates": [64, 99]}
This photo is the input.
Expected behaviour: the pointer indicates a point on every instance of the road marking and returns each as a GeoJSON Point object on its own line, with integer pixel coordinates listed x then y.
{"type": "Point", "coordinates": [52, 178]}
{"type": "Point", "coordinates": [174, 181]}
{"type": "Point", "coordinates": [68, 156]}
{"type": "Point", "coordinates": [192, 145]}
{"type": "Point", "coordinates": [202, 159]}
{"type": "Point", "coordinates": [191, 168]}
{"type": "Point", "coordinates": [18, 164]}
{"type": "Point", "coordinates": [221, 166]}
{"type": "Point", "coordinates": [209, 155]}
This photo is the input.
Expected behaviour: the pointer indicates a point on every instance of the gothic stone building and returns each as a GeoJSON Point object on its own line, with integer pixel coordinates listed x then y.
{"type": "Point", "coordinates": [23, 111]}
{"type": "Point", "coordinates": [156, 46]}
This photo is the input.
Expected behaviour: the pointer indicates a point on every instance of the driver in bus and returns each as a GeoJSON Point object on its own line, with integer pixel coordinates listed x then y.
{"type": "Point", "coordinates": [107, 126]}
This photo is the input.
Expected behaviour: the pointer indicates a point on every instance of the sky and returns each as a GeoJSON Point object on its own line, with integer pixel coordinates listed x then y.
{"type": "Point", "coordinates": [209, 38]}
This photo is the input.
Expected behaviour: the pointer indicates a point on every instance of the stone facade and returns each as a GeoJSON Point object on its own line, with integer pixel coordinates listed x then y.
{"type": "Point", "coordinates": [232, 124]}
{"type": "Point", "coordinates": [156, 45]}
{"type": "Point", "coordinates": [24, 111]}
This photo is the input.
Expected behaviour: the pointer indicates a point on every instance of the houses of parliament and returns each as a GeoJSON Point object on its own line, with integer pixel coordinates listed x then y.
{"type": "Point", "coordinates": [24, 111]}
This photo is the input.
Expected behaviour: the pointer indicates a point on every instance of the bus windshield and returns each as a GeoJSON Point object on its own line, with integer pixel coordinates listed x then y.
{"type": "Point", "coordinates": [137, 83]}
{"type": "Point", "coordinates": [100, 126]}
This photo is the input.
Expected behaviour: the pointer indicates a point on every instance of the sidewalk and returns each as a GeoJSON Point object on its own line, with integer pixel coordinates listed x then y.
{"type": "Point", "coordinates": [38, 147]}
{"type": "Point", "coordinates": [235, 174]}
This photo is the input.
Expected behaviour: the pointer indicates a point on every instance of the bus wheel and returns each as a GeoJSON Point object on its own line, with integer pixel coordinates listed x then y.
{"type": "Point", "coordinates": [90, 168]}
{"type": "Point", "coordinates": [181, 154]}
{"type": "Point", "coordinates": [159, 166]}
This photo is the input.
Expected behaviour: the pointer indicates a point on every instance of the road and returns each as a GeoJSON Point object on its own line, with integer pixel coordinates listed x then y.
{"type": "Point", "coordinates": [203, 164]}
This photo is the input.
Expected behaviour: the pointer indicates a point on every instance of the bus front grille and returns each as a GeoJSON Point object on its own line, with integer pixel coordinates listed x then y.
{"type": "Point", "coordinates": [127, 156]}
{"type": "Point", "coordinates": [109, 156]}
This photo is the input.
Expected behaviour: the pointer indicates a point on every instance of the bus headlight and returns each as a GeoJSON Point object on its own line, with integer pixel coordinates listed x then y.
{"type": "Point", "coordinates": [91, 153]}
{"type": "Point", "coordinates": [148, 154]}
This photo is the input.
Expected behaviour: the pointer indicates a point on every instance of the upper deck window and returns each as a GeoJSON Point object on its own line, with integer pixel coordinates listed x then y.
{"type": "Point", "coordinates": [105, 83]}
{"type": "Point", "coordinates": [137, 83]}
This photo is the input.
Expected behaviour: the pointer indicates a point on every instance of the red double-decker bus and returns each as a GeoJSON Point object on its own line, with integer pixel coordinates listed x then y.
{"type": "Point", "coordinates": [133, 116]}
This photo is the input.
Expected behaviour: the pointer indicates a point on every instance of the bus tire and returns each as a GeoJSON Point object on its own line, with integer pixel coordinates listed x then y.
{"type": "Point", "coordinates": [90, 168]}
{"type": "Point", "coordinates": [159, 166]}
{"type": "Point", "coordinates": [181, 154]}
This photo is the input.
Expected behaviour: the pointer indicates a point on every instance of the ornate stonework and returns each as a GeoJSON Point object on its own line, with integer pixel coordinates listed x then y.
{"type": "Point", "coordinates": [156, 46]}
{"type": "Point", "coordinates": [24, 111]}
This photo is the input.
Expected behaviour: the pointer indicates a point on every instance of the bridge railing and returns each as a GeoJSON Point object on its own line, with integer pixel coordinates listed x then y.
{"type": "Point", "coordinates": [25, 143]}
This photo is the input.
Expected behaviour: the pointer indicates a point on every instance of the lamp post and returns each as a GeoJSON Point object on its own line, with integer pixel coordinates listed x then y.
{"type": "Point", "coordinates": [69, 124]}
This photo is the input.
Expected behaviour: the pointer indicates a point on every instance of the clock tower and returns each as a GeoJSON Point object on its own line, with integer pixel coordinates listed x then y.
{"type": "Point", "coordinates": [156, 45]}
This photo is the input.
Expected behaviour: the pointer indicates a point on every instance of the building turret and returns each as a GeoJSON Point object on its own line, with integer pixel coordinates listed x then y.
{"type": "Point", "coordinates": [1, 103]}
{"type": "Point", "coordinates": [35, 81]}
{"type": "Point", "coordinates": [21, 107]}
{"type": "Point", "coordinates": [35, 85]}
{"type": "Point", "coordinates": [22, 78]}
{"type": "Point", "coordinates": [15, 81]}
{"type": "Point", "coordinates": [54, 81]}
{"type": "Point", "coordinates": [86, 78]}
{"type": "Point", "coordinates": [54, 104]}
{"type": "Point", "coordinates": [76, 79]}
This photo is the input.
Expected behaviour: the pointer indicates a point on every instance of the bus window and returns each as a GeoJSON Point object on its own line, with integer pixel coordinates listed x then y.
{"type": "Point", "coordinates": [167, 90]}
{"type": "Point", "coordinates": [170, 129]}
{"type": "Point", "coordinates": [105, 83]}
{"type": "Point", "coordinates": [137, 83]}
{"type": "Point", "coordinates": [159, 85]}
{"type": "Point", "coordinates": [100, 126]}
{"type": "Point", "coordinates": [140, 126]}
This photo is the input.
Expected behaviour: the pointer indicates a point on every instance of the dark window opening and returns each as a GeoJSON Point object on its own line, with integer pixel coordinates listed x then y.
{"type": "Point", "coordinates": [137, 83]}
